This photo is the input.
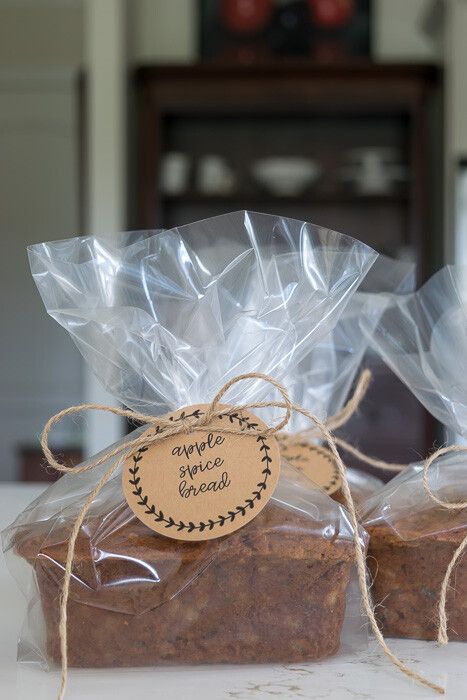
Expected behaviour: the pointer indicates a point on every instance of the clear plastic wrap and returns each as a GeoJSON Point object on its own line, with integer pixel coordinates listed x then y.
{"type": "Point", "coordinates": [423, 339]}
{"type": "Point", "coordinates": [164, 320]}
{"type": "Point", "coordinates": [168, 319]}
{"type": "Point", "coordinates": [322, 381]}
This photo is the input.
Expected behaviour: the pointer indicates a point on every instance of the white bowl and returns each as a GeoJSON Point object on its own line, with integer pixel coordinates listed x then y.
{"type": "Point", "coordinates": [286, 176]}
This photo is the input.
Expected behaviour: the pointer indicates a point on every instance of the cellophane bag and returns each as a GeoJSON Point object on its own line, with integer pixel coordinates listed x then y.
{"type": "Point", "coordinates": [322, 381]}
{"type": "Point", "coordinates": [164, 321]}
{"type": "Point", "coordinates": [423, 338]}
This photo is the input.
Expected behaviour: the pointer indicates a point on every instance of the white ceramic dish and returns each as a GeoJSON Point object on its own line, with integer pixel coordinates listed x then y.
{"type": "Point", "coordinates": [286, 176]}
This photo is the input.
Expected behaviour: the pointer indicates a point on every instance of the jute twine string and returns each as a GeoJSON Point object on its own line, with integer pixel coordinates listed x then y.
{"type": "Point", "coordinates": [168, 428]}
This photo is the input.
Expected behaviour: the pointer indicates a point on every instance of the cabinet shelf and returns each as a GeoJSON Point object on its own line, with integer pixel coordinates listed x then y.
{"type": "Point", "coordinates": [312, 198]}
{"type": "Point", "coordinates": [244, 114]}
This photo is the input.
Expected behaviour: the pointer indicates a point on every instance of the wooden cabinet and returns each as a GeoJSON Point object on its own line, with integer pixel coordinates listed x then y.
{"type": "Point", "coordinates": [243, 114]}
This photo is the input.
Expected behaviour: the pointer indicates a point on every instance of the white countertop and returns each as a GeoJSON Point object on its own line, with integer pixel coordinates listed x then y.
{"type": "Point", "coordinates": [365, 675]}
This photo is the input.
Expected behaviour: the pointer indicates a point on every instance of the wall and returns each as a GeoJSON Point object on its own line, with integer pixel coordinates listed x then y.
{"type": "Point", "coordinates": [398, 32]}
{"type": "Point", "coordinates": [456, 64]}
{"type": "Point", "coordinates": [162, 30]}
{"type": "Point", "coordinates": [40, 369]}
{"type": "Point", "coordinates": [40, 33]}
{"type": "Point", "coordinates": [456, 130]}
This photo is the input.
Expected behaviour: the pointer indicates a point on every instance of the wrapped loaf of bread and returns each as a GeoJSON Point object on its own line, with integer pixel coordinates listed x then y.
{"type": "Point", "coordinates": [412, 541]}
{"type": "Point", "coordinates": [165, 321]}
{"type": "Point", "coordinates": [423, 338]}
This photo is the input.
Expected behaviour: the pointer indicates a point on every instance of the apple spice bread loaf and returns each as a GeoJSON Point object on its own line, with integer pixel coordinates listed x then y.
{"type": "Point", "coordinates": [273, 591]}
{"type": "Point", "coordinates": [408, 572]}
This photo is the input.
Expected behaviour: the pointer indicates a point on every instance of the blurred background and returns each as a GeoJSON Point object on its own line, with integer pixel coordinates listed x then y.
{"type": "Point", "coordinates": [116, 114]}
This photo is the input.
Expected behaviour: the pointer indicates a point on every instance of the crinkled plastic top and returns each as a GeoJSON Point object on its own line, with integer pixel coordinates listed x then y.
{"type": "Point", "coordinates": [423, 338]}
{"type": "Point", "coordinates": [166, 318]}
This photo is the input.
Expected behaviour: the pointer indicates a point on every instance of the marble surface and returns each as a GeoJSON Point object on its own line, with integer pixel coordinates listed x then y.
{"type": "Point", "coordinates": [363, 674]}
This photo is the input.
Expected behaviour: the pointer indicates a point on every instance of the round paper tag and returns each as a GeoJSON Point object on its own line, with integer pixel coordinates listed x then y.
{"type": "Point", "coordinates": [315, 462]}
{"type": "Point", "coordinates": [203, 484]}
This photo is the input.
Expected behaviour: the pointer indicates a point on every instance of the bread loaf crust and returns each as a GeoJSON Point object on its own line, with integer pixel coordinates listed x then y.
{"type": "Point", "coordinates": [271, 592]}
{"type": "Point", "coordinates": [407, 575]}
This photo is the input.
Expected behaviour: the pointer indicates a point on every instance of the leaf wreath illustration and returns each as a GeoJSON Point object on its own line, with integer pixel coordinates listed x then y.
{"type": "Point", "coordinates": [161, 517]}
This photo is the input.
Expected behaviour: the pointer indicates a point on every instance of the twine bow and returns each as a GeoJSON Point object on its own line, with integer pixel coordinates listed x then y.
{"type": "Point", "coordinates": [167, 428]}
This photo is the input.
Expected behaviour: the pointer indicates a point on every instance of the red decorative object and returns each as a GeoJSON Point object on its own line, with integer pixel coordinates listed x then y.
{"type": "Point", "coordinates": [251, 31]}
{"type": "Point", "coordinates": [246, 16]}
{"type": "Point", "coordinates": [331, 13]}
